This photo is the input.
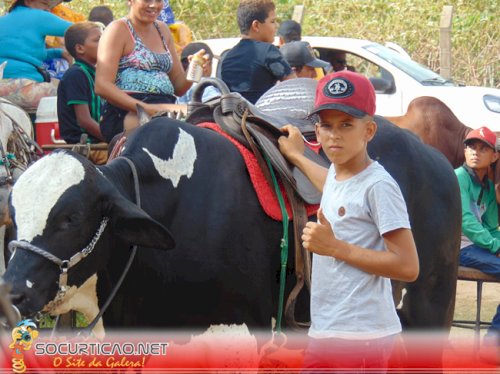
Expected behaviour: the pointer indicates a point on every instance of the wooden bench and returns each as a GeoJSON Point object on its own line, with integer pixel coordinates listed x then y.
{"type": "Point", "coordinates": [474, 275]}
{"type": "Point", "coordinates": [93, 147]}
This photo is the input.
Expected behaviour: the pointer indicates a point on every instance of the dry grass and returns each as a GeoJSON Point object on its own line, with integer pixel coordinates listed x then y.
{"type": "Point", "coordinates": [465, 305]}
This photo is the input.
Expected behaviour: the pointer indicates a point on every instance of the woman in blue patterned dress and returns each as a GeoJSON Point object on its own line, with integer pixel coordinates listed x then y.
{"type": "Point", "coordinates": [137, 63]}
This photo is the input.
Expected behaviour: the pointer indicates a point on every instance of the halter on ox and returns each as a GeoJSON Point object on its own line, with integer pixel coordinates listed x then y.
{"type": "Point", "coordinates": [66, 265]}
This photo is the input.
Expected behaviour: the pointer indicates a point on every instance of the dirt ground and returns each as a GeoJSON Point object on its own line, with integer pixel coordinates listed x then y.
{"type": "Point", "coordinates": [465, 305]}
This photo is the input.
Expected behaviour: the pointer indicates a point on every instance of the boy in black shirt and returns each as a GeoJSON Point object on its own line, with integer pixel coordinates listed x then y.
{"type": "Point", "coordinates": [78, 107]}
{"type": "Point", "coordinates": [254, 65]}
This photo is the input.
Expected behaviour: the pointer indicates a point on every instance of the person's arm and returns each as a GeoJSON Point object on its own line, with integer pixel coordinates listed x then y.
{"type": "Point", "coordinates": [54, 52]}
{"type": "Point", "coordinates": [472, 227]}
{"type": "Point", "coordinates": [399, 261]}
{"type": "Point", "coordinates": [53, 25]}
{"type": "Point", "coordinates": [277, 64]}
{"type": "Point", "coordinates": [494, 175]}
{"type": "Point", "coordinates": [177, 74]}
{"type": "Point", "coordinates": [86, 122]}
{"type": "Point", "coordinates": [292, 148]}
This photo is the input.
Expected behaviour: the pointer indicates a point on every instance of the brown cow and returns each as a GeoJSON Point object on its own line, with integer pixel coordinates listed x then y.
{"type": "Point", "coordinates": [435, 124]}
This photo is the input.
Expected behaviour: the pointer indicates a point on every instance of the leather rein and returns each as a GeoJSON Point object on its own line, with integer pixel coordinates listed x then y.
{"type": "Point", "coordinates": [302, 257]}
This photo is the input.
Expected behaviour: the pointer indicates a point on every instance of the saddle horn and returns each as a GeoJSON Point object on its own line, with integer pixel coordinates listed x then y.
{"type": "Point", "coordinates": [206, 82]}
{"type": "Point", "coordinates": [198, 112]}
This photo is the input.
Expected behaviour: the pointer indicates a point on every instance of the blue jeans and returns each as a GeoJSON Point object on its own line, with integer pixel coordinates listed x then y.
{"type": "Point", "coordinates": [482, 259]}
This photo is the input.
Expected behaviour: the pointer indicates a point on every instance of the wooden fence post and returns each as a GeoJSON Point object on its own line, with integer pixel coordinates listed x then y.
{"type": "Point", "coordinates": [445, 42]}
{"type": "Point", "coordinates": [298, 13]}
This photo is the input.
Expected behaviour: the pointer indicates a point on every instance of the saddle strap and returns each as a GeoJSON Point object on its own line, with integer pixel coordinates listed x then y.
{"type": "Point", "coordinates": [302, 257]}
{"type": "Point", "coordinates": [254, 148]}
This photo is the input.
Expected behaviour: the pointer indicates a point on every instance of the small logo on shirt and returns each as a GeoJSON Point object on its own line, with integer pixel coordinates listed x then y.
{"type": "Point", "coordinates": [341, 211]}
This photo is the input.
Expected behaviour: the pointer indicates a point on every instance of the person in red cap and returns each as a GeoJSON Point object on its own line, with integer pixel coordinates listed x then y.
{"type": "Point", "coordinates": [362, 237]}
{"type": "Point", "coordinates": [480, 247]}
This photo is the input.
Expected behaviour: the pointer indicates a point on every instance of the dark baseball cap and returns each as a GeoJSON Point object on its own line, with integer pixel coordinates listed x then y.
{"type": "Point", "coordinates": [300, 53]}
{"type": "Point", "coordinates": [346, 91]}
{"type": "Point", "coordinates": [290, 30]}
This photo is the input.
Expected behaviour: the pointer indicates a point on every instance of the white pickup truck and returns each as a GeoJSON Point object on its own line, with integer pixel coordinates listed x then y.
{"type": "Point", "coordinates": [398, 80]}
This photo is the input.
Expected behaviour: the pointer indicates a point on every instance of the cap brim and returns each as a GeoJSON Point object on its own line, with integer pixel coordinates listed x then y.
{"type": "Point", "coordinates": [317, 63]}
{"type": "Point", "coordinates": [482, 140]}
{"type": "Point", "coordinates": [340, 107]}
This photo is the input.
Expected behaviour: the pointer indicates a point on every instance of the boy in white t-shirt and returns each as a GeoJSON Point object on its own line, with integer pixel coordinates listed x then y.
{"type": "Point", "coordinates": [362, 237]}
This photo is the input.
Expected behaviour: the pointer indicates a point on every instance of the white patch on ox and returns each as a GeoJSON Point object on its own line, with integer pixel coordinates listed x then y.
{"type": "Point", "coordinates": [29, 283]}
{"type": "Point", "coordinates": [224, 346]}
{"type": "Point", "coordinates": [38, 190]}
{"type": "Point", "coordinates": [182, 161]}
{"type": "Point", "coordinates": [403, 294]}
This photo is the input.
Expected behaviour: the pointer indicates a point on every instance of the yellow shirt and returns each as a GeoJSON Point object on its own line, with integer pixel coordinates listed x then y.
{"type": "Point", "coordinates": [66, 13]}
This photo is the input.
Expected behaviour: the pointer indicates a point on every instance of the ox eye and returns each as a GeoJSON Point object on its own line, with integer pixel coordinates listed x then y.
{"type": "Point", "coordinates": [69, 220]}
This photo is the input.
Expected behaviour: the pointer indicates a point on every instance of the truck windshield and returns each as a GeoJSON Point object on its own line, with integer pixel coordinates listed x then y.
{"type": "Point", "coordinates": [417, 71]}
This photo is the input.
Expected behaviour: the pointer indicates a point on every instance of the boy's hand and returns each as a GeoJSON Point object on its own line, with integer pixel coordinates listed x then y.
{"type": "Point", "coordinates": [318, 237]}
{"type": "Point", "coordinates": [291, 146]}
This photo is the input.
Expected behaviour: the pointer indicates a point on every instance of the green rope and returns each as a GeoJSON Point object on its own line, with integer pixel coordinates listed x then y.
{"type": "Point", "coordinates": [8, 156]}
{"type": "Point", "coordinates": [283, 245]}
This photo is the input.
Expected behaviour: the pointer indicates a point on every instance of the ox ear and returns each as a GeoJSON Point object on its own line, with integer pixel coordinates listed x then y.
{"type": "Point", "coordinates": [135, 226]}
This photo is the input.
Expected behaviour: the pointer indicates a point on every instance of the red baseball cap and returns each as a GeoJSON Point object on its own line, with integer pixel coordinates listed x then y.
{"type": "Point", "coordinates": [347, 91]}
{"type": "Point", "coordinates": [484, 134]}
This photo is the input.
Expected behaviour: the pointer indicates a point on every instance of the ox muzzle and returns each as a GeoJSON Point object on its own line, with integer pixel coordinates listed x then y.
{"type": "Point", "coordinates": [64, 265]}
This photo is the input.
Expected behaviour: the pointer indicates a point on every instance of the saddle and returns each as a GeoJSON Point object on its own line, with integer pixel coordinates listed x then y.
{"type": "Point", "coordinates": [236, 116]}
{"type": "Point", "coordinates": [259, 132]}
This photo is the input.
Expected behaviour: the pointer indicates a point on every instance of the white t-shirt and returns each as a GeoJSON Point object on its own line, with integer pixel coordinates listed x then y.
{"type": "Point", "coordinates": [347, 302]}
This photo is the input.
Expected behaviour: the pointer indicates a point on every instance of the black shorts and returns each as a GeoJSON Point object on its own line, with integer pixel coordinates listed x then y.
{"type": "Point", "coordinates": [112, 116]}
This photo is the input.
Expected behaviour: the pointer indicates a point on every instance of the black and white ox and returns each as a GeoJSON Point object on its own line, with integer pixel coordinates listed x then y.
{"type": "Point", "coordinates": [224, 268]}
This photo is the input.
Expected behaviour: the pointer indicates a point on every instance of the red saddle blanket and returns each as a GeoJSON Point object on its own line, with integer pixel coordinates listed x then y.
{"type": "Point", "coordinates": [265, 192]}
